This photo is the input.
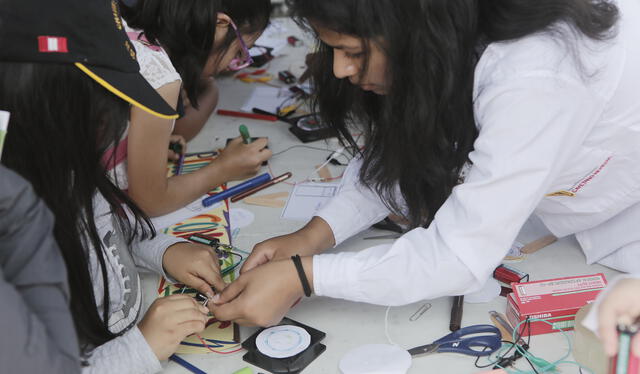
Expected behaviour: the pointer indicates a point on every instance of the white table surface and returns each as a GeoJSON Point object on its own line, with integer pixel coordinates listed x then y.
{"type": "Point", "coordinates": [348, 324]}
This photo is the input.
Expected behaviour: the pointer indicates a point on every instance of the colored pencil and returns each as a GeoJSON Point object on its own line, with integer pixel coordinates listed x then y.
{"type": "Point", "coordinates": [261, 187]}
{"type": "Point", "coordinates": [185, 364]}
{"type": "Point", "coordinates": [235, 190]}
{"type": "Point", "coordinates": [232, 113]}
{"type": "Point", "coordinates": [180, 164]}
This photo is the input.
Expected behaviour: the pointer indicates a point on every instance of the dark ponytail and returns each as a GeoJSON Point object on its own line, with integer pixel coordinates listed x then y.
{"type": "Point", "coordinates": [61, 124]}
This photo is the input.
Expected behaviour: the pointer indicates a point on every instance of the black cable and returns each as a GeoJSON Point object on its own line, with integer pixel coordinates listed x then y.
{"type": "Point", "coordinates": [303, 146]}
{"type": "Point", "coordinates": [478, 358]}
{"type": "Point", "coordinates": [507, 359]}
{"type": "Point", "coordinates": [322, 150]}
{"type": "Point", "coordinates": [532, 365]}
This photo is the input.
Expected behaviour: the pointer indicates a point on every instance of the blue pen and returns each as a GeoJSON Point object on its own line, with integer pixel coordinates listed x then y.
{"type": "Point", "coordinates": [180, 165]}
{"type": "Point", "coordinates": [244, 186]}
{"type": "Point", "coordinates": [185, 364]}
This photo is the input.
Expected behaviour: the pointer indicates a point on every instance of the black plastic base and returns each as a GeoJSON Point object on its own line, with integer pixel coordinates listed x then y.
{"type": "Point", "coordinates": [289, 365]}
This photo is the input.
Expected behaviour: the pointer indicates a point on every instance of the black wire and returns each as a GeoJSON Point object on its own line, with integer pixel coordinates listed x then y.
{"type": "Point", "coordinates": [528, 329]}
{"type": "Point", "coordinates": [532, 365]}
{"type": "Point", "coordinates": [478, 358]}
{"type": "Point", "coordinates": [303, 146]}
{"type": "Point", "coordinates": [506, 356]}
{"type": "Point", "coordinates": [331, 151]}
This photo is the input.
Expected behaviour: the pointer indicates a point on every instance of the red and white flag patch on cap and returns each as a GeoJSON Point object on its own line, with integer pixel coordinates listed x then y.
{"type": "Point", "coordinates": [52, 44]}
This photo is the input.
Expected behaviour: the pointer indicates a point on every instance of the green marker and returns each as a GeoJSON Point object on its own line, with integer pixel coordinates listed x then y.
{"type": "Point", "coordinates": [246, 370]}
{"type": "Point", "coordinates": [244, 131]}
{"type": "Point", "coordinates": [4, 124]}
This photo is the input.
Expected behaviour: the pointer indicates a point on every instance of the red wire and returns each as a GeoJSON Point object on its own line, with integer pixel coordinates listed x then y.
{"type": "Point", "coordinates": [294, 183]}
{"type": "Point", "coordinates": [204, 343]}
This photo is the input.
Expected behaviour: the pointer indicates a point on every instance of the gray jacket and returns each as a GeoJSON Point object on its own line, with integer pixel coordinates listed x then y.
{"type": "Point", "coordinates": [37, 334]}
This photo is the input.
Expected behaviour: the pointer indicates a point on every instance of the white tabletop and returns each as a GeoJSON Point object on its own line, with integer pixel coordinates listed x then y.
{"type": "Point", "coordinates": [348, 324]}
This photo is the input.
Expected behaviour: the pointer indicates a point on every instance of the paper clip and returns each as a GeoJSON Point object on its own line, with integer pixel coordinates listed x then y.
{"type": "Point", "coordinates": [422, 310]}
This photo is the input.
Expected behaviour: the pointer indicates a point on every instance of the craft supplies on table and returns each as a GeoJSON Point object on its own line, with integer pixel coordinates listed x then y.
{"type": "Point", "coordinates": [554, 300]}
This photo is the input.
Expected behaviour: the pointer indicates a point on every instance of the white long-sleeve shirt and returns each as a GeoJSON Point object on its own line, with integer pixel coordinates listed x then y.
{"type": "Point", "coordinates": [552, 116]}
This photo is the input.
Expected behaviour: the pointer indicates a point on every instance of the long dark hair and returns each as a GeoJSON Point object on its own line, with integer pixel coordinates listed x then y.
{"type": "Point", "coordinates": [186, 30]}
{"type": "Point", "coordinates": [420, 134]}
{"type": "Point", "coordinates": [61, 124]}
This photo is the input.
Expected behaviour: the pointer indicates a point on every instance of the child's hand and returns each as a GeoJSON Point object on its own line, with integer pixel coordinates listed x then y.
{"type": "Point", "coordinates": [169, 320]}
{"type": "Point", "coordinates": [195, 265]}
{"type": "Point", "coordinates": [173, 156]}
{"type": "Point", "coordinates": [622, 304]}
{"type": "Point", "coordinates": [241, 161]}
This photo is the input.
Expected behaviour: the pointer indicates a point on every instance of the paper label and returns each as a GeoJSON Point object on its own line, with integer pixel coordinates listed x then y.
{"type": "Point", "coordinates": [558, 286]}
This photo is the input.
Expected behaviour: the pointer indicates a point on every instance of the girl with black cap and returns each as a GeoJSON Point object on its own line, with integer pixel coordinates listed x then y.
{"type": "Point", "coordinates": [69, 80]}
{"type": "Point", "coordinates": [182, 46]}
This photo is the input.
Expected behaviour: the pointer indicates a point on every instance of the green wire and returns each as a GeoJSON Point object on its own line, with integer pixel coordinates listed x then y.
{"type": "Point", "coordinates": [542, 365]}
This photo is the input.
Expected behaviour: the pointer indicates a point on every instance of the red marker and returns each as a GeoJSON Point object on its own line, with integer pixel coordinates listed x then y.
{"type": "Point", "coordinates": [232, 113]}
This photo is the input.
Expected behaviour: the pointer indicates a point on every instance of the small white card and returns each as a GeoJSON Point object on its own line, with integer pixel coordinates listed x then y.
{"type": "Point", "coordinates": [307, 198]}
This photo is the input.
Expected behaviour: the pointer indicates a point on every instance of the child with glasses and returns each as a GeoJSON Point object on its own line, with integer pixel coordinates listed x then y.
{"type": "Point", "coordinates": [182, 46]}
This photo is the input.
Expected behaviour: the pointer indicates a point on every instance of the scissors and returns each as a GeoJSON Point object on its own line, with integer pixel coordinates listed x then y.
{"type": "Point", "coordinates": [478, 340]}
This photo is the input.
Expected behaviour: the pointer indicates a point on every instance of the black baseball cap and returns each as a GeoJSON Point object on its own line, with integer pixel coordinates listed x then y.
{"type": "Point", "coordinates": [86, 33]}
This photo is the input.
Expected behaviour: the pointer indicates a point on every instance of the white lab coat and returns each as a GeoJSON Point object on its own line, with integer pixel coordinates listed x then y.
{"type": "Point", "coordinates": [552, 117]}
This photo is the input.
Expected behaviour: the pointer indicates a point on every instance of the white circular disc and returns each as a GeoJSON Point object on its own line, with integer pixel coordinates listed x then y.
{"type": "Point", "coordinates": [283, 341]}
{"type": "Point", "coordinates": [376, 359]}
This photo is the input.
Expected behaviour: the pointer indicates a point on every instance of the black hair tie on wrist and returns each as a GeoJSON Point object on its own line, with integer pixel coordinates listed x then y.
{"type": "Point", "coordinates": [297, 261]}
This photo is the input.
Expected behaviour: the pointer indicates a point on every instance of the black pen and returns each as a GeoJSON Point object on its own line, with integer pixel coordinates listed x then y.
{"type": "Point", "coordinates": [456, 313]}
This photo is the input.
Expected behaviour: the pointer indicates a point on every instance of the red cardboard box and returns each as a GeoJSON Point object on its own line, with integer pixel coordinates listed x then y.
{"type": "Point", "coordinates": [554, 300]}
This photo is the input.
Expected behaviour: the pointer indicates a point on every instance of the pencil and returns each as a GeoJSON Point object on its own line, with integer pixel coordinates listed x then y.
{"type": "Point", "coordinates": [236, 190]}
{"type": "Point", "coordinates": [180, 164]}
{"type": "Point", "coordinates": [185, 364]}
{"type": "Point", "coordinates": [261, 187]}
{"type": "Point", "coordinates": [177, 148]}
{"type": "Point", "coordinates": [232, 113]}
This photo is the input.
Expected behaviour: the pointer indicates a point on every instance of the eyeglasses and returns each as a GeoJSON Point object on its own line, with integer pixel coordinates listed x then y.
{"type": "Point", "coordinates": [240, 63]}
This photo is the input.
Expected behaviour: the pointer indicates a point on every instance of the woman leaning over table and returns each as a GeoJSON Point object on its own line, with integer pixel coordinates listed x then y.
{"type": "Point", "coordinates": [477, 114]}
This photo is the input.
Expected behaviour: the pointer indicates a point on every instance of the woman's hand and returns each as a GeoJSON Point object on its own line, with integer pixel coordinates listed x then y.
{"type": "Point", "coordinates": [278, 248]}
{"type": "Point", "coordinates": [263, 295]}
{"type": "Point", "coordinates": [195, 265]}
{"type": "Point", "coordinates": [621, 305]}
{"type": "Point", "coordinates": [240, 161]}
{"type": "Point", "coordinates": [309, 240]}
{"type": "Point", "coordinates": [169, 320]}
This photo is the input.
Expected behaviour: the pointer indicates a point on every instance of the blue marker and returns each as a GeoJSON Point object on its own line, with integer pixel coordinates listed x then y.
{"type": "Point", "coordinates": [244, 186]}
{"type": "Point", "coordinates": [185, 364]}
